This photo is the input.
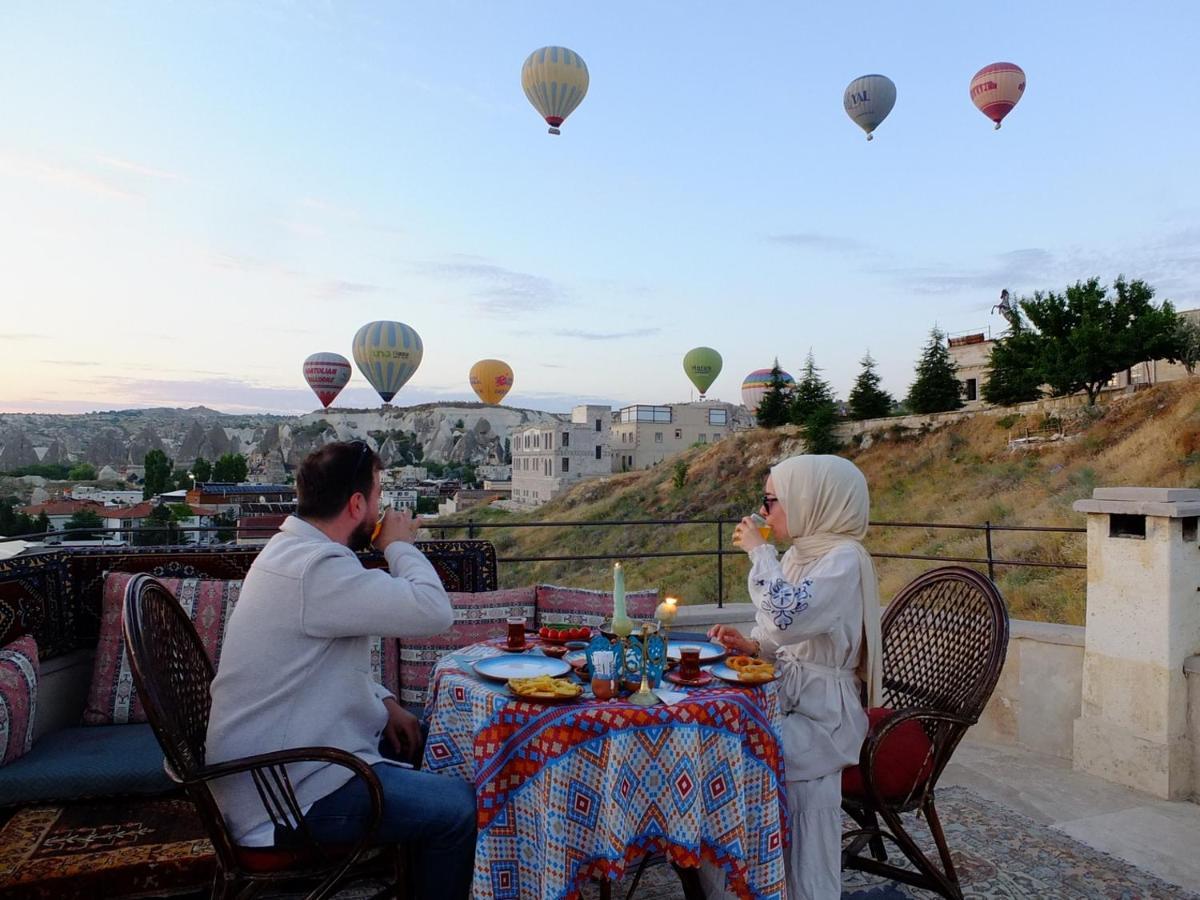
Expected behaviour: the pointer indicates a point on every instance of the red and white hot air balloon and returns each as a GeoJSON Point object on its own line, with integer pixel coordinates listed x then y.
{"type": "Point", "coordinates": [995, 89]}
{"type": "Point", "coordinates": [327, 374]}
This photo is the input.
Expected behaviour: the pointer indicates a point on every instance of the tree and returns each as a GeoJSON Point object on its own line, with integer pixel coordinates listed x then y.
{"type": "Point", "coordinates": [1014, 369]}
{"type": "Point", "coordinates": [773, 408]}
{"type": "Point", "coordinates": [158, 474]}
{"type": "Point", "coordinates": [13, 522]}
{"type": "Point", "coordinates": [427, 505]}
{"type": "Point", "coordinates": [813, 409]}
{"type": "Point", "coordinates": [41, 525]}
{"type": "Point", "coordinates": [202, 469]}
{"type": "Point", "coordinates": [157, 529]}
{"type": "Point", "coordinates": [867, 399]}
{"type": "Point", "coordinates": [82, 472]}
{"type": "Point", "coordinates": [936, 388]}
{"type": "Point", "coordinates": [230, 468]}
{"type": "Point", "coordinates": [226, 523]}
{"type": "Point", "coordinates": [679, 474]}
{"type": "Point", "coordinates": [83, 521]}
{"type": "Point", "coordinates": [1086, 335]}
{"type": "Point", "coordinates": [1187, 336]}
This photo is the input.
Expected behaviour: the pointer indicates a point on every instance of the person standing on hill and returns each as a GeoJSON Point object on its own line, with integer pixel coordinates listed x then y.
{"type": "Point", "coordinates": [295, 672]}
{"type": "Point", "coordinates": [817, 615]}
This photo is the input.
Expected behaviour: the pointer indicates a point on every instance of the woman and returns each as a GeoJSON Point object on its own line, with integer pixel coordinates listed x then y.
{"type": "Point", "coordinates": [817, 614]}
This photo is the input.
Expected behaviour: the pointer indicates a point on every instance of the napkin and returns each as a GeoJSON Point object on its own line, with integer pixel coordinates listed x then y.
{"type": "Point", "coordinates": [669, 697]}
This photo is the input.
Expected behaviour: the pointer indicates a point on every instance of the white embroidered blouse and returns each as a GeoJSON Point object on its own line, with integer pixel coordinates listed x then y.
{"type": "Point", "coordinates": [812, 628]}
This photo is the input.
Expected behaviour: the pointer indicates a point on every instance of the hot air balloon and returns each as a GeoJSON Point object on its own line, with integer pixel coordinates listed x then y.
{"type": "Point", "coordinates": [868, 100]}
{"type": "Point", "coordinates": [756, 385]}
{"type": "Point", "coordinates": [327, 374]}
{"type": "Point", "coordinates": [702, 365]}
{"type": "Point", "coordinates": [491, 379]}
{"type": "Point", "coordinates": [387, 353]}
{"type": "Point", "coordinates": [995, 89]}
{"type": "Point", "coordinates": [555, 80]}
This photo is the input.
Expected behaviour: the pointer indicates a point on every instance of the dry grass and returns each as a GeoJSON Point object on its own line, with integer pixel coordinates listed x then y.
{"type": "Point", "coordinates": [963, 473]}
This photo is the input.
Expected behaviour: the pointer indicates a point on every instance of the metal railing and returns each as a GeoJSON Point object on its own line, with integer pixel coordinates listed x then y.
{"type": "Point", "coordinates": [130, 537]}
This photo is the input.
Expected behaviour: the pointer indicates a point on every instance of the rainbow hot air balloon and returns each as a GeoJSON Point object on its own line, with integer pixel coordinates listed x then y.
{"type": "Point", "coordinates": [327, 374]}
{"type": "Point", "coordinates": [702, 365]}
{"type": "Point", "coordinates": [995, 89]}
{"type": "Point", "coordinates": [491, 379]}
{"type": "Point", "coordinates": [387, 353]}
{"type": "Point", "coordinates": [756, 385]}
{"type": "Point", "coordinates": [555, 80]}
{"type": "Point", "coordinates": [868, 100]}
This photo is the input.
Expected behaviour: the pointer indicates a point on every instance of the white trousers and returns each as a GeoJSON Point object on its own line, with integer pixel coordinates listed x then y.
{"type": "Point", "coordinates": [814, 859]}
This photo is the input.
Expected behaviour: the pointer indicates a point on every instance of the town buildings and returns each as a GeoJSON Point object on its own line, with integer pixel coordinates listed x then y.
{"type": "Point", "coordinates": [550, 456]}
{"type": "Point", "coordinates": [643, 436]}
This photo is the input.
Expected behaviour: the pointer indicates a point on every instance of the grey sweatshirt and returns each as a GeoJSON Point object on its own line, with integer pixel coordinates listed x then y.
{"type": "Point", "coordinates": [295, 662]}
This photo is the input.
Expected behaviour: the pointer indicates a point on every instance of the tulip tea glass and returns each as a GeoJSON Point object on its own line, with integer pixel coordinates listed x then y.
{"type": "Point", "coordinates": [689, 663]}
{"type": "Point", "coordinates": [516, 631]}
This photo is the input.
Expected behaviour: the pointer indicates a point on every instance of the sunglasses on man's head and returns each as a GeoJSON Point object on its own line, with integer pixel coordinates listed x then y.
{"type": "Point", "coordinates": [363, 452]}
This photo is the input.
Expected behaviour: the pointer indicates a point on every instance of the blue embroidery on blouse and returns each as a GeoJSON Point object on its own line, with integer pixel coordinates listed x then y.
{"type": "Point", "coordinates": [786, 600]}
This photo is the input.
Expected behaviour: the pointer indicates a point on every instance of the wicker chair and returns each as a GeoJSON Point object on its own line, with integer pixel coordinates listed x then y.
{"type": "Point", "coordinates": [173, 676]}
{"type": "Point", "coordinates": [945, 636]}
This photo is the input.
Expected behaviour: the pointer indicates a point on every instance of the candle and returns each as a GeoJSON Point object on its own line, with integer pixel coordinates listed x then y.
{"type": "Point", "coordinates": [667, 610]}
{"type": "Point", "coordinates": [621, 624]}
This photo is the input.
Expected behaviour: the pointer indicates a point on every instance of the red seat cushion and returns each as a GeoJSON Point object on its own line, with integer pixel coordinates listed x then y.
{"type": "Point", "coordinates": [902, 763]}
{"type": "Point", "coordinates": [262, 860]}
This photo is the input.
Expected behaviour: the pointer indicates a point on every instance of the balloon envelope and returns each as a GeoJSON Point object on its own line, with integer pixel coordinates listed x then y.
{"type": "Point", "coordinates": [756, 385]}
{"type": "Point", "coordinates": [555, 80]}
{"type": "Point", "coordinates": [491, 379]}
{"type": "Point", "coordinates": [387, 353]}
{"type": "Point", "coordinates": [327, 374]}
{"type": "Point", "coordinates": [702, 365]}
{"type": "Point", "coordinates": [995, 89]}
{"type": "Point", "coordinates": [868, 100]}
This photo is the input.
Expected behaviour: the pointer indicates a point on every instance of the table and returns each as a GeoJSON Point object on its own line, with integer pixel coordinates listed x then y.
{"type": "Point", "coordinates": [574, 791]}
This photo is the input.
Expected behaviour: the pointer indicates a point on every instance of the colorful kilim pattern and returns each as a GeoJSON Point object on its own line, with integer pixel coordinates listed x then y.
{"type": "Point", "coordinates": [577, 791]}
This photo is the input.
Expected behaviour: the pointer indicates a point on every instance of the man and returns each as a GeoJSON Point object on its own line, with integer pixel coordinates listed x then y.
{"type": "Point", "coordinates": [295, 672]}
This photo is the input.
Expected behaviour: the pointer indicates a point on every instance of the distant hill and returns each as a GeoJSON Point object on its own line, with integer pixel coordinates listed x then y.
{"type": "Point", "coordinates": [273, 445]}
{"type": "Point", "coordinates": [961, 473]}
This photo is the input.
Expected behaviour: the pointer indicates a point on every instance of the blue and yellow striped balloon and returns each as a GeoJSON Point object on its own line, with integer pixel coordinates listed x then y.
{"type": "Point", "coordinates": [387, 353]}
{"type": "Point", "coordinates": [555, 80]}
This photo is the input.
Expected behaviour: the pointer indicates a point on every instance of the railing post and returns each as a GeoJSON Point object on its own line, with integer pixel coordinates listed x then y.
{"type": "Point", "coordinates": [987, 530]}
{"type": "Point", "coordinates": [720, 569]}
{"type": "Point", "coordinates": [470, 530]}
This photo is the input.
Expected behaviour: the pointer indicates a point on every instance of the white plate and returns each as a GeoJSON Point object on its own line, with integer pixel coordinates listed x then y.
{"type": "Point", "coordinates": [709, 651]}
{"type": "Point", "coordinates": [502, 668]}
{"type": "Point", "coordinates": [725, 673]}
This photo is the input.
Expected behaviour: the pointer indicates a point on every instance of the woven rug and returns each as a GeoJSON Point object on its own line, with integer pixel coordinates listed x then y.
{"type": "Point", "coordinates": [135, 848]}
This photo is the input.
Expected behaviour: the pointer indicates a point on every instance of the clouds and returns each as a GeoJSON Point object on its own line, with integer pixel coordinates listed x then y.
{"type": "Point", "coordinates": [139, 169]}
{"type": "Point", "coordinates": [498, 291]}
{"type": "Point", "coordinates": [606, 335]}
{"type": "Point", "coordinates": [64, 176]}
{"type": "Point", "coordinates": [316, 286]}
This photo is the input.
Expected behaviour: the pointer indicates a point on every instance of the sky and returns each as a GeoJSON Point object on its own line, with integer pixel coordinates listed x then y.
{"type": "Point", "coordinates": [196, 196]}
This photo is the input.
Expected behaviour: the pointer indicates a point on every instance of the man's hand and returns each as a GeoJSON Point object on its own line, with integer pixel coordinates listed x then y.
{"type": "Point", "coordinates": [732, 639]}
{"type": "Point", "coordinates": [403, 730]}
{"type": "Point", "coordinates": [397, 526]}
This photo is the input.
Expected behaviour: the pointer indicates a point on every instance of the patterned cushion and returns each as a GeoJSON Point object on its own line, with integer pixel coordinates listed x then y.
{"type": "Point", "coordinates": [577, 606]}
{"type": "Point", "coordinates": [18, 697]}
{"type": "Point", "coordinates": [112, 699]}
{"type": "Point", "coordinates": [477, 617]}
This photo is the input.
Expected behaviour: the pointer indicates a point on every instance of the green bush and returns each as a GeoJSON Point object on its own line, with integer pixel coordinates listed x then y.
{"type": "Point", "coordinates": [1007, 422]}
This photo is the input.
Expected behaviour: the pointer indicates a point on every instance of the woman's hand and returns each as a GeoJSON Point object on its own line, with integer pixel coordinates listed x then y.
{"type": "Point", "coordinates": [732, 639]}
{"type": "Point", "coordinates": [746, 535]}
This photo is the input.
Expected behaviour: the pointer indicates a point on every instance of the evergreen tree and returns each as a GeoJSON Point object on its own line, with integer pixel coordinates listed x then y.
{"type": "Point", "coordinates": [158, 474]}
{"type": "Point", "coordinates": [773, 407]}
{"type": "Point", "coordinates": [81, 521]}
{"type": "Point", "coordinates": [230, 468]}
{"type": "Point", "coordinates": [202, 469]}
{"type": "Point", "coordinates": [936, 388]}
{"type": "Point", "coordinates": [867, 399]}
{"type": "Point", "coordinates": [41, 525]}
{"type": "Point", "coordinates": [813, 409]}
{"type": "Point", "coordinates": [1014, 371]}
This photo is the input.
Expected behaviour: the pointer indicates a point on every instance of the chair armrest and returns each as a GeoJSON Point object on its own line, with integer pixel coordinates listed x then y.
{"type": "Point", "coordinates": [941, 746]}
{"type": "Point", "coordinates": [269, 761]}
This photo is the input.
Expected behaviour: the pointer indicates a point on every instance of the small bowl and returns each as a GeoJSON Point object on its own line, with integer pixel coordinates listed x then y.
{"type": "Point", "coordinates": [575, 645]}
{"type": "Point", "coordinates": [558, 651]}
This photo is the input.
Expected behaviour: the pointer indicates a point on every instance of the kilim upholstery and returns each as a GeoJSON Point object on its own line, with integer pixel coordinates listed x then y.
{"type": "Point", "coordinates": [945, 637]}
{"type": "Point", "coordinates": [174, 675]}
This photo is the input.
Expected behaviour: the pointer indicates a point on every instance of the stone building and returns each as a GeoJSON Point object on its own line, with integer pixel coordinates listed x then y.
{"type": "Point", "coordinates": [643, 436]}
{"type": "Point", "coordinates": [548, 457]}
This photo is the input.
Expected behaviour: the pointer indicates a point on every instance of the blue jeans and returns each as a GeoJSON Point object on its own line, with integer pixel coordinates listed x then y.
{"type": "Point", "coordinates": [435, 814]}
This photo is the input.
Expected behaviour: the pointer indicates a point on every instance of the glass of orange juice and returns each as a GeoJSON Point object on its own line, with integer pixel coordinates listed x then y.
{"type": "Point", "coordinates": [761, 524]}
{"type": "Point", "coordinates": [379, 524]}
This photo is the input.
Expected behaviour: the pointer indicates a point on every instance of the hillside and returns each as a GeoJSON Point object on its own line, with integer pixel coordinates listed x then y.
{"type": "Point", "coordinates": [961, 473]}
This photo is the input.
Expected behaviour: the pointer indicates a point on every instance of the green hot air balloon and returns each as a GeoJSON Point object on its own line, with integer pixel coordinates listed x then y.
{"type": "Point", "coordinates": [702, 365]}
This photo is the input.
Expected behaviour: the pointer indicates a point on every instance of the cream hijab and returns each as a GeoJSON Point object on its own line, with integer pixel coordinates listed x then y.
{"type": "Point", "coordinates": [827, 505]}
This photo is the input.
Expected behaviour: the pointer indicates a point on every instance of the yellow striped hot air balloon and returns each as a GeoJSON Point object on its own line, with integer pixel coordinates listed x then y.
{"type": "Point", "coordinates": [555, 80]}
{"type": "Point", "coordinates": [387, 353]}
{"type": "Point", "coordinates": [491, 379]}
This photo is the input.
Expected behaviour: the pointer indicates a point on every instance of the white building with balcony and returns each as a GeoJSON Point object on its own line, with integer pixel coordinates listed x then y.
{"type": "Point", "coordinates": [643, 436]}
{"type": "Point", "coordinates": [548, 457]}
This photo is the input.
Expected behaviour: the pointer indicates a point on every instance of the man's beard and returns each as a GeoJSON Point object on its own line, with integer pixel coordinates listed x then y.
{"type": "Point", "coordinates": [360, 537]}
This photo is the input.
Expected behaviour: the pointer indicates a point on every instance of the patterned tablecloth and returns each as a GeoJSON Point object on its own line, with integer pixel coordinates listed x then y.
{"type": "Point", "coordinates": [568, 792]}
